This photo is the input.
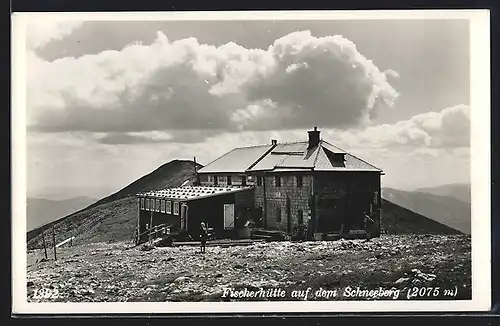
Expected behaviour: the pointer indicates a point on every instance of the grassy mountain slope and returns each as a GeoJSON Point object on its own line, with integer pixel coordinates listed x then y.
{"type": "Point", "coordinates": [459, 191]}
{"type": "Point", "coordinates": [443, 209]}
{"type": "Point", "coordinates": [40, 211]}
{"type": "Point", "coordinates": [114, 217]}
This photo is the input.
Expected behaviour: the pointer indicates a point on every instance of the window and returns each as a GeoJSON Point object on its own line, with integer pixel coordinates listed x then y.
{"type": "Point", "coordinates": [222, 179]}
{"type": "Point", "coordinates": [300, 216]}
{"type": "Point", "coordinates": [157, 205]}
{"type": "Point", "coordinates": [299, 181]}
{"type": "Point", "coordinates": [210, 178]}
{"type": "Point", "coordinates": [277, 180]}
{"type": "Point", "coordinates": [278, 214]}
{"type": "Point", "coordinates": [152, 204]}
{"type": "Point", "coordinates": [162, 209]}
{"type": "Point", "coordinates": [243, 180]}
{"type": "Point", "coordinates": [176, 208]}
{"type": "Point", "coordinates": [215, 180]}
{"type": "Point", "coordinates": [169, 207]}
{"type": "Point", "coordinates": [229, 180]}
{"type": "Point", "coordinates": [250, 179]}
{"type": "Point", "coordinates": [259, 181]}
{"type": "Point", "coordinates": [142, 203]}
{"type": "Point", "coordinates": [147, 204]}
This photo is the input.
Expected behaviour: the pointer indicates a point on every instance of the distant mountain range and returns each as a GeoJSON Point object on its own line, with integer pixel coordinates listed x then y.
{"type": "Point", "coordinates": [457, 190]}
{"type": "Point", "coordinates": [445, 209]}
{"type": "Point", "coordinates": [114, 217]}
{"type": "Point", "coordinates": [41, 211]}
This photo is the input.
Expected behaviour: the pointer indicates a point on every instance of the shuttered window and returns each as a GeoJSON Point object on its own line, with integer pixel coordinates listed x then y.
{"type": "Point", "coordinates": [176, 208]}
{"type": "Point", "coordinates": [169, 207]}
{"type": "Point", "coordinates": [147, 204]}
{"type": "Point", "coordinates": [299, 181]}
{"type": "Point", "coordinates": [157, 206]}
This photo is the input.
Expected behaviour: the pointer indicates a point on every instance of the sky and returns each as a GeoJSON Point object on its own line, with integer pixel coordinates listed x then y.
{"type": "Point", "coordinates": [110, 101]}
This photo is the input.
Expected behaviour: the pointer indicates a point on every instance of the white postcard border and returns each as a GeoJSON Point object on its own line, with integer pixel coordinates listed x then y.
{"type": "Point", "coordinates": [480, 172]}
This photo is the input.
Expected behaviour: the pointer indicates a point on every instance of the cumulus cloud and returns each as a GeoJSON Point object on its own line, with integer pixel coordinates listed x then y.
{"type": "Point", "coordinates": [446, 129]}
{"type": "Point", "coordinates": [299, 81]}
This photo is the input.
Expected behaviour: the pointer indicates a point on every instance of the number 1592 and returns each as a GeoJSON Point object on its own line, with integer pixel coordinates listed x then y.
{"type": "Point", "coordinates": [45, 293]}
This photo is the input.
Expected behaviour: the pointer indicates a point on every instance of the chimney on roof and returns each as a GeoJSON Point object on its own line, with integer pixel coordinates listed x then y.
{"type": "Point", "coordinates": [274, 142]}
{"type": "Point", "coordinates": [313, 138]}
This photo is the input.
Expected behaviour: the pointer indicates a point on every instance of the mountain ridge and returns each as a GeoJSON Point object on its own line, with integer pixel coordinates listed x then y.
{"type": "Point", "coordinates": [121, 205]}
{"type": "Point", "coordinates": [447, 210]}
{"type": "Point", "coordinates": [40, 211]}
{"type": "Point", "coordinates": [461, 191]}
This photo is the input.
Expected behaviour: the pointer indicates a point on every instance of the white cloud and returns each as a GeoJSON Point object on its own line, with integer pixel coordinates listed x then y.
{"type": "Point", "coordinates": [40, 31]}
{"type": "Point", "coordinates": [449, 128]}
{"type": "Point", "coordinates": [300, 81]}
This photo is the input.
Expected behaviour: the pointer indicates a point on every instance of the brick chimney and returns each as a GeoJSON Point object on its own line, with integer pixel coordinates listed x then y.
{"type": "Point", "coordinates": [274, 141]}
{"type": "Point", "coordinates": [313, 138]}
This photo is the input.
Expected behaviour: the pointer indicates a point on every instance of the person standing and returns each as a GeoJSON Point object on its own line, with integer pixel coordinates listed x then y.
{"type": "Point", "coordinates": [203, 236]}
{"type": "Point", "coordinates": [368, 226]}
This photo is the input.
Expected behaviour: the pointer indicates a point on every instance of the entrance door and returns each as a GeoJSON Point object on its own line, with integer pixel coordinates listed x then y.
{"type": "Point", "coordinates": [183, 217]}
{"type": "Point", "coordinates": [228, 216]}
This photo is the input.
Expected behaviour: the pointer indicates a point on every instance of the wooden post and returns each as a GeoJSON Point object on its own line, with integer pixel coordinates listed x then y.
{"type": "Point", "coordinates": [54, 241]}
{"type": "Point", "coordinates": [138, 231]}
{"type": "Point", "coordinates": [44, 244]}
{"type": "Point", "coordinates": [150, 226]}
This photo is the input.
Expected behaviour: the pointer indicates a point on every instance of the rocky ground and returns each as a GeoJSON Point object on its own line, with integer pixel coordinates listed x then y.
{"type": "Point", "coordinates": [102, 272]}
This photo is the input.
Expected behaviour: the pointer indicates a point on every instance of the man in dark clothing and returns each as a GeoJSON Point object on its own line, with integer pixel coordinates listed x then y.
{"type": "Point", "coordinates": [203, 236]}
{"type": "Point", "coordinates": [368, 226]}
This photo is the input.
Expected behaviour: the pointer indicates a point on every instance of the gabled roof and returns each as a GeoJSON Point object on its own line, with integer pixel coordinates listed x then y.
{"type": "Point", "coordinates": [188, 193]}
{"type": "Point", "coordinates": [239, 160]}
{"type": "Point", "coordinates": [288, 157]}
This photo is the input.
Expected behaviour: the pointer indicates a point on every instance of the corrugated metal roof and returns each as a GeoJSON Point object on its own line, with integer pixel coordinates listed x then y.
{"type": "Point", "coordinates": [325, 162]}
{"type": "Point", "coordinates": [236, 161]}
{"type": "Point", "coordinates": [187, 193]}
